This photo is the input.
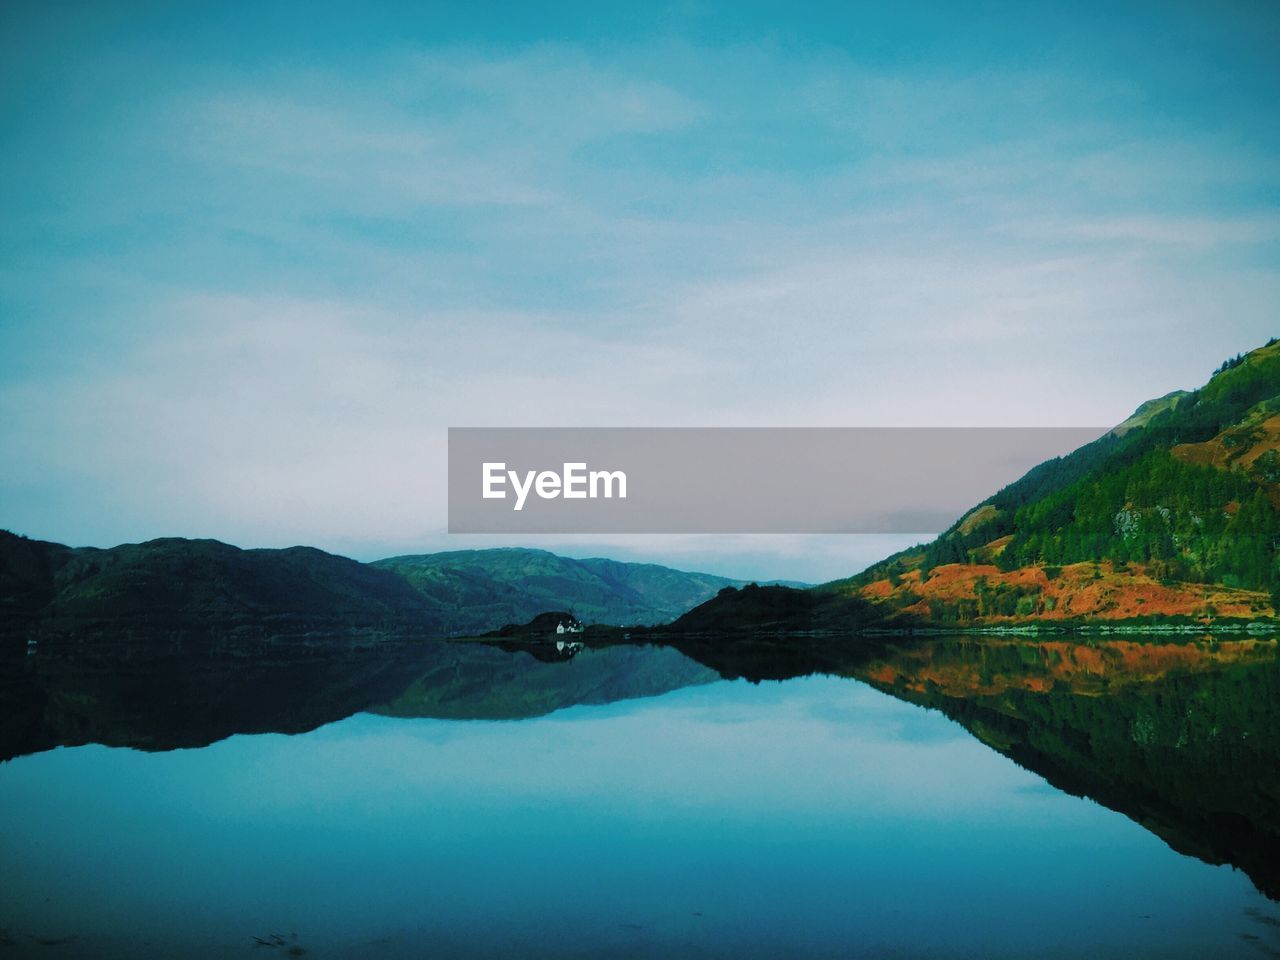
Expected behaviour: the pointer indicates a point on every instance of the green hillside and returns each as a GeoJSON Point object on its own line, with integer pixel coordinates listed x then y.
{"type": "Point", "coordinates": [478, 590]}
{"type": "Point", "coordinates": [1180, 499]}
{"type": "Point", "coordinates": [193, 584]}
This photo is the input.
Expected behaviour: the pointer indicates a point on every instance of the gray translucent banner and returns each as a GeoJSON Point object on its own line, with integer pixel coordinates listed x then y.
{"type": "Point", "coordinates": [736, 479]}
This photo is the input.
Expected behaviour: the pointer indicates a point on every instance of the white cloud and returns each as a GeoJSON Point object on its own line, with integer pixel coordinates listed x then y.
{"type": "Point", "coordinates": [340, 266]}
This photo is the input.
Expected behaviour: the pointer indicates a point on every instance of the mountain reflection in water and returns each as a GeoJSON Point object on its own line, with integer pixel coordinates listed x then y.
{"type": "Point", "coordinates": [1184, 738]}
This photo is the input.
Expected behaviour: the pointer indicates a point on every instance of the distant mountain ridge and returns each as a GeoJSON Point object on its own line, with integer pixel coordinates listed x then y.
{"type": "Point", "coordinates": [208, 584]}
{"type": "Point", "coordinates": [485, 589]}
{"type": "Point", "coordinates": [1172, 515]}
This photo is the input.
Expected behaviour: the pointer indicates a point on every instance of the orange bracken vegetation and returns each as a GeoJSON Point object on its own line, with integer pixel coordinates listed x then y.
{"type": "Point", "coordinates": [1220, 452]}
{"type": "Point", "coordinates": [1079, 591]}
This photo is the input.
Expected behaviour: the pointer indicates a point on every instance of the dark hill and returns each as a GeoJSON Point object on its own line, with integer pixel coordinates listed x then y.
{"type": "Point", "coordinates": [205, 584]}
{"type": "Point", "coordinates": [474, 591]}
{"type": "Point", "coordinates": [195, 583]}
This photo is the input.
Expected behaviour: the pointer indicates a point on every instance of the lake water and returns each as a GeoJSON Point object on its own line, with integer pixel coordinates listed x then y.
{"type": "Point", "coordinates": [812, 817]}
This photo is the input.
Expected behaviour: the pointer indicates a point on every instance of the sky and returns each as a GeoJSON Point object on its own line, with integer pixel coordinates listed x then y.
{"type": "Point", "coordinates": [256, 259]}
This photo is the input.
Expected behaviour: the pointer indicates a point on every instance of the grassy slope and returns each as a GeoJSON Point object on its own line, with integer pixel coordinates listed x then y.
{"type": "Point", "coordinates": [1232, 424]}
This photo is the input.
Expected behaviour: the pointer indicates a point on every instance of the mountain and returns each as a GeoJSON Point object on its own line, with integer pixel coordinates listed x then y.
{"type": "Point", "coordinates": [479, 590]}
{"type": "Point", "coordinates": [194, 583]}
{"type": "Point", "coordinates": [756, 609]}
{"type": "Point", "coordinates": [1170, 516]}
{"type": "Point", "coordinates": [204, 584]}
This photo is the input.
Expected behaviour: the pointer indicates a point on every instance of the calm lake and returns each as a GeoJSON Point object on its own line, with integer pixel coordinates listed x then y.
{"type": "Point", "coordinates": [627, 802]}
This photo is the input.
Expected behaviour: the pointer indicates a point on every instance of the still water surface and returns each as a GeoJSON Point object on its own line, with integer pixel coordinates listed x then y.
{"type": "Point", "coordinates": [815, 817]}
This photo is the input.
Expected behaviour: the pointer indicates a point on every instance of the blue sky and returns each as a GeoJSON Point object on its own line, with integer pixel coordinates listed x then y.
{"type": "Point", "coordinates": [257, 258]}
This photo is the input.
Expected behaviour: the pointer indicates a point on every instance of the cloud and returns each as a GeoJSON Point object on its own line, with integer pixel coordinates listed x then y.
{"type": "Point", "coordinates": [1139, 232]}
{"type": "Point", "coordinates": [440, 128]}
{"type": "Point", "coordinates": [369, 163]}
{"type": "Point", "coordinates": [257, 311]}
